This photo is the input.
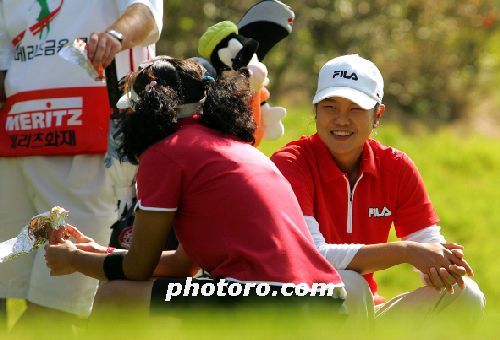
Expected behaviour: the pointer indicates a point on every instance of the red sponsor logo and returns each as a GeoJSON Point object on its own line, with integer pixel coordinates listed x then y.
{"type": "Point", "coordinates": [125, 237]}
{"type": "Point", "coordinates": [65, 121]}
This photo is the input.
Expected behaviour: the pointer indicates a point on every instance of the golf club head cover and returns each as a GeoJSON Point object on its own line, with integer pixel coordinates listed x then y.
{"type": "Point", "coordinates": [267, 22]}
{"type": "Point", "coordinates": [225, 48]}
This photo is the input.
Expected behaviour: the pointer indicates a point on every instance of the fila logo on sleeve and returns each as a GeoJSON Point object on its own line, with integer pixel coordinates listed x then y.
{"type": "Point", "coordinates": [375, 212]}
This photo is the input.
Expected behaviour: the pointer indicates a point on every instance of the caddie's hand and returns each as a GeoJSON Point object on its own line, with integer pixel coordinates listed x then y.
{"type": "Point", "coordinates": [58, 258]}
{"type": "Point", "coordinates": [102, 48]}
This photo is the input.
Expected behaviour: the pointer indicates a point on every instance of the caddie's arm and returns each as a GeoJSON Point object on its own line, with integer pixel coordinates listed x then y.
{"type": "Point", "coordinates": [134, 27]}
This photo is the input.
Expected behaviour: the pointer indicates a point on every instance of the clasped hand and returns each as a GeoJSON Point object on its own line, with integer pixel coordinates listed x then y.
{"type": "Point", "coordinates": [443, 265]}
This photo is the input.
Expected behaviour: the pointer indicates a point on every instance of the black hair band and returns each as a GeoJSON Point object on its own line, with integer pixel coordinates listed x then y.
{"type": "Point", "coordinates": [113, 266]}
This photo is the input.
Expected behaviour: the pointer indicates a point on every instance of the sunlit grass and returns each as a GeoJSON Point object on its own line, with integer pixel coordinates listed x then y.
{"type": "Point", "coordinates": [260, 324]}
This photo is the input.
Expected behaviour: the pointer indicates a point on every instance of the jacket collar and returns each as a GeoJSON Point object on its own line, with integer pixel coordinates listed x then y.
{"type": "Point", "coordinates": [329, 170]}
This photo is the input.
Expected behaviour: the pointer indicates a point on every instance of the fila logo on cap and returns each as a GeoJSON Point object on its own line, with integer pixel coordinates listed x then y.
{"type": "Point", "coordinates": [344, 74]}
{"type": "Point", "coordinates": [353, 78]}
{"type": "Point", "coordinates": [374, 212]}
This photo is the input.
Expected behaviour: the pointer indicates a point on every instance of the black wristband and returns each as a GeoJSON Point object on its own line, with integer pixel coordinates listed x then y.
{"type": "Point", "coordinates": [113, 266]}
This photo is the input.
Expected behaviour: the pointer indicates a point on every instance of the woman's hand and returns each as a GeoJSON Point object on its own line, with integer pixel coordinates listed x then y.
{"type": "Point", "coordinates": [459, 260]}
{"type": "Point", "coordinates": [59, 258]}
{"type": "Point", "coordinates": [445, 279]}
{"type": "Point", "coordinates": [425, 256]}
{"type": "Point", "coordinates": [62, 234]}
{"type": "Point", "coordinates": [65, 257]}
{"type": "Point", "coordinates": [80, 240]}
{"type": "Point", "coordinates": [83, 242]}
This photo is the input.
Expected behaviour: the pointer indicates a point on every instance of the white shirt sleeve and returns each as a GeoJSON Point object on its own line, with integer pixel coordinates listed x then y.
{"type": "Point", "coordinates": [6, 48]}
{"type": "Point", "coordinates": [339, 255]}
{"type": "Point", "coordinates": [156, 8]}
{"type": "Point", "coordinates": [430, 234]}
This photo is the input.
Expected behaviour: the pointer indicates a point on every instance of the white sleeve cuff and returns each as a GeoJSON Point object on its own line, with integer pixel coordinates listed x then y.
{"type": "Point", "coordinates": [430, 234]}
{"type": "Point", "coordinates": [145, 208]}
{"type": "Point", "coordinates": [339, 255]}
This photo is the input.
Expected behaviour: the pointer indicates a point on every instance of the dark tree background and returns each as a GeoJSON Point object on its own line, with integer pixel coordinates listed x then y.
{"type": "Point", "coordinates": [429, 52]}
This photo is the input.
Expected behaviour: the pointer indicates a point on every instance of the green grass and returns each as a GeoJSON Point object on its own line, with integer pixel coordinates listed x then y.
{"type": "Point", "coordinates": [462, 175]}
{"type": "Point", "coordinates": [256, 324]}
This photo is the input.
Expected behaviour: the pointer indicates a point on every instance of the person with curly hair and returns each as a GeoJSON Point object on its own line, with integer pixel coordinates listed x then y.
{"type": "Point", "coordinates": [234, 214]}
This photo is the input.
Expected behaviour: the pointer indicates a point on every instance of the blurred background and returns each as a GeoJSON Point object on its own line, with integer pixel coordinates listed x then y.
{"type": "Point", "coordinates": [439, 59]}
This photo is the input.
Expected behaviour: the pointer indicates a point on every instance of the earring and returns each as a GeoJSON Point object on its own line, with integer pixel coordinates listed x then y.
{"type": "Point", "coordinates": [374, 130]}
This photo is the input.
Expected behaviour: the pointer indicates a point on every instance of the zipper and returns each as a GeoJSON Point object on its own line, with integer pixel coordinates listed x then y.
{"type": "Point", "coordinates": [350, 197]}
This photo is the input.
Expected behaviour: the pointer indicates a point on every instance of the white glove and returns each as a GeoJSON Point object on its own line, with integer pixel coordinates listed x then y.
{"type": "Point", "coordinates": [271, 119]}
{"type": "Point", "coordinates": [258, 74]}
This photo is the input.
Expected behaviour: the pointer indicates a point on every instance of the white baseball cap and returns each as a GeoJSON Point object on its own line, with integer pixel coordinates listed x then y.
{"type": "Point", "coordinates": [353, 78]}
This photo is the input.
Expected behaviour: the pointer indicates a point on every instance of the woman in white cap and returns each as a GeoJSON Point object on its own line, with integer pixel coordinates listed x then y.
{"type": "Point", "coordinates": [352, 189]}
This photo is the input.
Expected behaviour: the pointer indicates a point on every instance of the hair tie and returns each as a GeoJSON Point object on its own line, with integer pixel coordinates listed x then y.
{"type": "Point", "coordinates": [208, 79]}
{"type": "Point", "coordinates": [150, 86]}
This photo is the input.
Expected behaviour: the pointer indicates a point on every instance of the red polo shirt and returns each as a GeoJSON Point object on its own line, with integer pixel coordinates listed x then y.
{"type": "Point", "coordinates": [235, 214]}
{"type": "Point", "coordinates": [389, 191]}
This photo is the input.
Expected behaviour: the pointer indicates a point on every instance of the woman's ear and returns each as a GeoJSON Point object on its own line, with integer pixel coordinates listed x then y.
{"type": "Point", "coordinates": [380, 111]}
{"type": "Point", "coordinates": [378, 114]}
